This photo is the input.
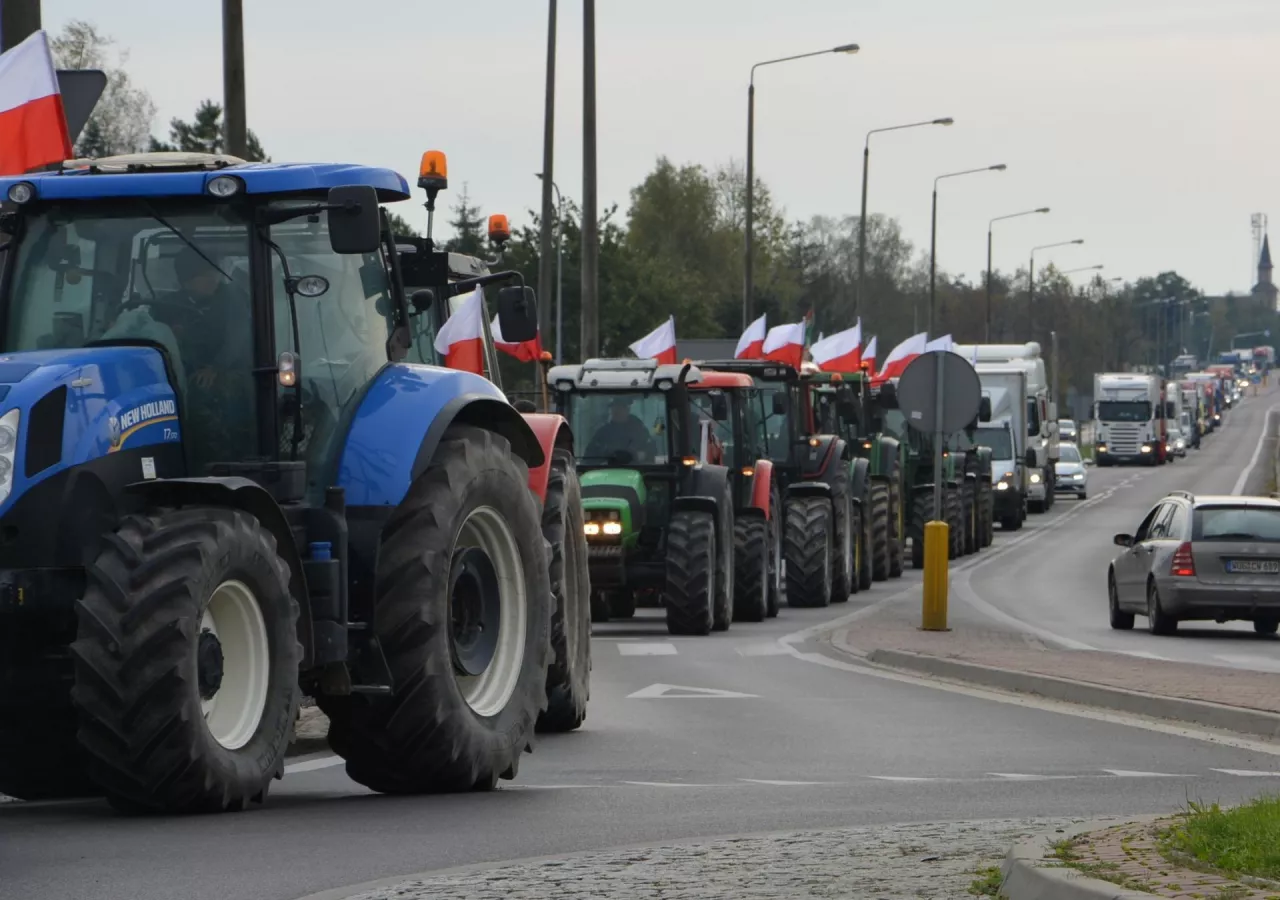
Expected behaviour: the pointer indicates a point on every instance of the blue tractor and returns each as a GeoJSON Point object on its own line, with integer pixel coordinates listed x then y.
{"type": "Point", "coordinates": [234, 472]}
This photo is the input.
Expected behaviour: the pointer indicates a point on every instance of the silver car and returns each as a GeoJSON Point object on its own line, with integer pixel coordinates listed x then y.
{"type": "Point", "coordinates": [1072, 478]}
{"type": "Point", "coordinates": [1199, 557]}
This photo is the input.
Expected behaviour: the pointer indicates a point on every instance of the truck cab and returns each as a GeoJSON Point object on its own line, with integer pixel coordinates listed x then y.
{"type": "Point", "coordinates": [1129, 419]}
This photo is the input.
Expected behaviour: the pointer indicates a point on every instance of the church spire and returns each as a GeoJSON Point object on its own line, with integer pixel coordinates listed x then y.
{"type": "Point", "coordinates": [1264, 262]}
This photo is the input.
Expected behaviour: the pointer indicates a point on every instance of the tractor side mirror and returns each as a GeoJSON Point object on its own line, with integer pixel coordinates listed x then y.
{"type": "Point", "coordinates": [889, 395]}
{"type": "Point", "coordinates": [719, 406]}
{"type": "Point", "coordinates": [517, 314]}
{"type": "Point", "coordinates": [984, 409]}
{"type": "Point", "coordinates": [779, 405]}
{"type": "Point", "coordinates": [354, 222]}
{"type": "Point", "coordinates": [421, 300]}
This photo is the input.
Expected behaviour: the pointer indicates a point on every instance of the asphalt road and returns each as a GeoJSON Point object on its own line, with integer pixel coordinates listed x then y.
{"type": "Point", "coordinates": [1055, 583]}
{"type": "Point", "coordinates": [780, 736]}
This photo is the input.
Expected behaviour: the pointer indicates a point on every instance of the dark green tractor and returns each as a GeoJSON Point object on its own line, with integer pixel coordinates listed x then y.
{"type": "Point", "coordinates": [658, 517]}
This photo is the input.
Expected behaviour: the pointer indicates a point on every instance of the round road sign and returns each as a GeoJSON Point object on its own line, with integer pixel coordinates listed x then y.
{"type": "Point", "coordinates": [918, 392]}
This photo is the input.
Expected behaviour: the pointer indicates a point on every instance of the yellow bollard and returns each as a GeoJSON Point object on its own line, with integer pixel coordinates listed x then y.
{"type": "Point", "coordinates": [934, 615]}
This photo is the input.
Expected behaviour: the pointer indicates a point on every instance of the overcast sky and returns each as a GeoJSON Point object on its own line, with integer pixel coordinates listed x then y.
{"type": "Point", "coordinates": [1147, 125]}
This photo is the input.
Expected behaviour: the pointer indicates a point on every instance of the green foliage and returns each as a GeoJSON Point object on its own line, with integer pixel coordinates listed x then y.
{"type": "Point", "coordinates": [1244, 840]}
{"type": "Point", "coordinates": [204, 134]}
{"type": "Point", "coordinates": [468, 225]}
{"type": "Point", "coordinates": [400, 226]}
{"type": "Point", "coordinates": [121, 122]}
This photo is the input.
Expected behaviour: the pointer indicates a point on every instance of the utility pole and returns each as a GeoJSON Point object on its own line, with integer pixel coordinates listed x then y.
{"type": "Point", "coordinates": [590, 346]}
{"type": "Point", "coordinates": [19, 19]}
{"type": "Point", "coordinates": [234, 130]}
{"type": "Point", "coordinates": [545, 248]}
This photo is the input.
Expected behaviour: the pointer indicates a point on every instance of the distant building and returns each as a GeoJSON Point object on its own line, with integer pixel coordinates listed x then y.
{"type": "Point", "coordinates": [1265, 291]}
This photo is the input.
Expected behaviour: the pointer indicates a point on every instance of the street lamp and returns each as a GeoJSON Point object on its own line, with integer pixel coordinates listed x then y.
{"type": "Point", "coordinates": [862, 221]}
{"type": "Point", "coordinates": [1031, 280]}
{"type": "Point", "coordinates": [751, 157]}
{"type": "Point", "coordinates": [1083, 269]}
{"type": "Point", "coordinates": [559, 265]}
{"type": "Point", "coordinates": [1029, 212]}
{"type": "Point", "coordinates": [933, 231]}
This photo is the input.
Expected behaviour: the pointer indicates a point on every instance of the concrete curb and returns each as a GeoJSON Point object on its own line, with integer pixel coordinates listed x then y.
{"type": "Point", "coordinates": [1198, 712]}
{"type": "Point", "coordinates": [1031, 872]}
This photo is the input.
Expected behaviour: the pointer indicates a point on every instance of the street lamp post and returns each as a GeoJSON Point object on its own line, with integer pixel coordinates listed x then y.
{"type": "Point", "coordinates": [862, 220]}
{"type": "Point", "coordinates": [1031, 281]}
{"type": "Point", "coordinates": [751, 157]}
{"type": "Point", "coordinates": [1097, 268]}
{"type": "Point", "coordinates": [559, 266]}
{"type": "Point", "coordinates": [1029, 212]}
{"type": "Point", "coordinates": [933, 232]}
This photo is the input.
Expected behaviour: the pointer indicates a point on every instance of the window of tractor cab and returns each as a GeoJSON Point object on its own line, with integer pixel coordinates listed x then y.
{"type": "Point", "coordinates": [620, 428]}
{"type": "Point", "coordinates": [702, 403]}
{"type": "Point", "coordinates": [776, 424]}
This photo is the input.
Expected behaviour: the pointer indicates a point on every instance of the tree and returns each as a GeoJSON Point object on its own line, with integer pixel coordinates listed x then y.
{"type": "Point", "coordinates": [400, 226]}
{"type": "Point", "coordinates": [121, 122]}
{"type": "Point", "coordinates": [468, 226]}
{"type": "Point", "coordinates": [204, 134]}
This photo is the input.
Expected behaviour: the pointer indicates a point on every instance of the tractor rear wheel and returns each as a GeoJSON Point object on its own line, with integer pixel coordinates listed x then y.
{"type": "Point", "coordinates": [569, 675]}
{"type": "Point", "coordinates": [723, 614]}
{"type": "Point", "coordinates": [863, 562]}
{"type": "Point", "coordinates": [921, 512]}
{"type": "Point", "coordinates": [751, 581]}
{"type": "Point", "coordinates": [986, 503]}
{"type": "Point", "coordinates": [897, 526]}
{"type": "Point", "coordinates": [186, 662]}
{"type": "Point", "coordinates": [692, 561]}
{"type": "Point", "coordinates": [846, 535]}
{"type": "Point", "coordinates": [972, 521]}
{"type": "Point", "coordinates": [881, 558]}
{"type": "Point", "coordinates": [808, 551]}
{"type": "Point", "coordinates": [953, 513]}
{"type": "Point", "coordinates": [777, 581]}
{"type": "Point", "coordinates": [462, 609]}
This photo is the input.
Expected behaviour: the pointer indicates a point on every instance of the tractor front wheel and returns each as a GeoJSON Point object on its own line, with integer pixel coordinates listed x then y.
{"type": "Point", "coordinates": [751, 581]}
{"type": "Point", "coordinates": [881, 557]}
{"type": "Point", "coordinates": [691, 573]}
{"type": "Point", "coordinates": [808, 551]}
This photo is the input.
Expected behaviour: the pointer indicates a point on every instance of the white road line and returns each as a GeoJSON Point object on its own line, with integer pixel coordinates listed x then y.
{"type": "Point", "coordinates": [647, 649]}
{"type": "Point", "coordinates": [773, 649]}
{"type": "Point", "coordinates": [311, 765]}
{"type": "Point", "coordinates": [900, 778]}
{"type": "Point", "coordinates": [1131, 773]}
{"type": "Point", "coordinates": [1019, 776]}
{"type": "Point", "coordinates": [785, 783]}
{"type": "Point", "coordinates": [680, 692]}
{"type": "Point", "coordinates": [674, 784]}
{"type": "Point", "coordinates": [1143, 654]}
{"type": "Point", "coordinates": [1257, 451]}
{"type": "Point", "coordinates": [1248, 773]}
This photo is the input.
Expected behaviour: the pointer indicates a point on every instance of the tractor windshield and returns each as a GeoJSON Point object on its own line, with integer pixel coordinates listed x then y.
{"type": "Point", "coordinates": [705, 404]}
{"type": "Point", "coordinates": [621, 427]}
{"type": "Point", "coordinates": [173, 272]}
{"type": "Point", "coordinates": [778, 403]}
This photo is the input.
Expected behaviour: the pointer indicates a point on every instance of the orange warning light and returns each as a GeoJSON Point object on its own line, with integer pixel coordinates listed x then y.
{"type": "Point", "coordinates": [433, 172]}
{"type": "Point", "coordinates": [499, 228]}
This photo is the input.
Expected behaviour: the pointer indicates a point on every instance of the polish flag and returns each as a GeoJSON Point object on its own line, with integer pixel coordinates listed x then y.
{"type": "Point", "coordinates": [33, 126]}
{"type": "Point", "coordinates": [842, 352]}
{"type": "Point", "coordinates": [900, 357]}
{"type": "Point", "coordinates": [659, 344]}
{"type": "Point", "coordinates": [869, 355]}
{"type": "Point", "coordinates": [528, 351]}
{"type": "Point", "coordinates": [751, 344]}
{"type": "Point", "coordinates": [785, 344]}
{"type": "Point", "coordinates": [943, 343]}
{"type": "Point", "coordinates": [461, 339]}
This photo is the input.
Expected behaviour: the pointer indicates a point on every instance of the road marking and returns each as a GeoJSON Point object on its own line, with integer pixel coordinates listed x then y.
{"type": "Point", "coordinates": [548, 787]}
{"type": "Point", "coordinates": [772, 649]}
{"type": "Point", "coordinates": [1143, 654]}
{"type": "Point", "coordinates": [1257, 451]}
{"type": "Point", "coordinates": [1131, 773]}
{"type": "Point", "coordinates": [899, 778]}
{"type": "Point", "coordinates": [679, 692]}
{"type": "Point", "coordinates": [1018, 776]}
{"type": "Point", "coordinates": [311, 765]}
{"type": "Point", "coordinates": [1248, 773]}
{"type": "Point", "coordinates": [784, 783]}
{"type": "Point", "coordinates": [647, 649]}
{"type": "Point", "coordinates": [677, 784]}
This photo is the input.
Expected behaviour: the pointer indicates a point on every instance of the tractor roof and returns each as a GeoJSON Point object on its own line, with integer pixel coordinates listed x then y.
{"type": "Point", "coordinates": [758, 368]}
{"type": "Point", "coordinates": [621, 375]}
{"type": "Point", "coordinates": [724, 380]}
{"type": "Point", "coordinates": [186, 174]}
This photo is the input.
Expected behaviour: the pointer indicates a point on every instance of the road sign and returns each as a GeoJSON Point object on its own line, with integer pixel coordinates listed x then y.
{"type": "Point", "coordinates": [939, 394]}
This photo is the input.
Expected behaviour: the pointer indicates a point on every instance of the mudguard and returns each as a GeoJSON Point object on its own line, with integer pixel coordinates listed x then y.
{"type": "Point", "coordinates": [860, 480]}
{"type": "Point", "coordinates": [552, 432]}
{"type": "Point", "coordinates": [820, 457]}
{"type": "Point", "coordinates": [886, 450]}
{"type": "Point", "coordinates": [402, 419]}
{"type": "Point", "coordinates": [761, 488]}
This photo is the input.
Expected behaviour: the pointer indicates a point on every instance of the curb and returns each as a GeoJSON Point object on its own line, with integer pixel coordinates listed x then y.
{"type": "Point", "coordinates": [1025, 875]}
{"type": "Point", "coordinates": [1198, 712]}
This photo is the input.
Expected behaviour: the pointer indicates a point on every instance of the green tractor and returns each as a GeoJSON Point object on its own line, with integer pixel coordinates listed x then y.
{"type": "Point", "coordinates": [825, 490]}
{"type": "Point", "coordinates": [659, 519]}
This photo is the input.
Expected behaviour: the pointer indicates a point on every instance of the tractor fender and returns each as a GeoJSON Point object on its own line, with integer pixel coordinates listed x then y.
{"type": "Point", "coordinates": [809, 489]}
{"type": "Point", "coordinates": [240, 493]}
{"type": "Point", "coordinates": [819, 457]}
{"type": "Point", "coordinates": [697, 503]}
{"type": "Point", "coordinates": [552, 432]}
{"type": "Point", "coordinates": [706, 486]}
{"type": "Point", "coordinates": [860, 480]}
{"type": "Point", "coordinates": [762, 487]}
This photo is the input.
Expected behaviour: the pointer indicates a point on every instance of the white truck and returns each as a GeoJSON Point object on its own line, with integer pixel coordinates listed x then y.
{"type": "Point", "coordinates": [1177, 434]}
{"type": "Point", "coordinates": [1006, 434]}
{"type": "Point", "coordinates": [1041, 410]}
{"type": "Point", "coordinates": [1129, 422]}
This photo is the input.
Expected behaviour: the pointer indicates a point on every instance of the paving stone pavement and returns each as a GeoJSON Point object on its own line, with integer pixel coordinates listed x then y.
{"type": "Point", "coordinates": [895, 862]}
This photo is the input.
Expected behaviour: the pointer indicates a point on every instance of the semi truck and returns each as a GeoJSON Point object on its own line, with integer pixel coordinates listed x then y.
{"type": "Point", "coordinates": [1129, 422]}
{"type": "Point", "coordinates": [1013, 465]}
{"type": "Point", "coordinates": [1177, 431]}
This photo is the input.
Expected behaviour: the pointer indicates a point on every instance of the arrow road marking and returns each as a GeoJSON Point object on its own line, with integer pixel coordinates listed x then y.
{"type": "Point", "coordinates": [678, 692]}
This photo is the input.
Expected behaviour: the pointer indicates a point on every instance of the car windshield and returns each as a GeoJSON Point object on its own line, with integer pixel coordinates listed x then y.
{"type": "Point", "coordinates": [621, 427]}
{"type": "Point", "coordinates": [1236, 523]}
{"type": "Point", "coordinates": [998, 439]}
{"type": "Point", "coordinates": [1124, 410]}
{"type": "Point", "coordinates": [1069, 453]}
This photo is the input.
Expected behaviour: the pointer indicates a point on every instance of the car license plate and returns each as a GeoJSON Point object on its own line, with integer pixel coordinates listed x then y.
{"type": "Point", "coordinates": [1253, 566]}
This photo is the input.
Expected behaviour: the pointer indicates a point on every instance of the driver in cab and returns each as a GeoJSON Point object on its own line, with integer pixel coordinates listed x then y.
{"type": "Point", "coordinates": [623, 433]}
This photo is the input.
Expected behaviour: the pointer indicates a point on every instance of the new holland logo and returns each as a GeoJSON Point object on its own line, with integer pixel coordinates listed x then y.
{"type": "Point", "coordinates": [120, 427]}
{"type": "Point", "coordinates": [113, 431]}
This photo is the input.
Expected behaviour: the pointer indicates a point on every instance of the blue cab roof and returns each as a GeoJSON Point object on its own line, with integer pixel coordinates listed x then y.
{"type": "Point", "coordinates": [259, 178]}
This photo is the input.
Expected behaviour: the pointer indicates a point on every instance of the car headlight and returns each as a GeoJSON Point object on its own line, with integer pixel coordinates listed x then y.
{"type": "Point", "coordinates": [1079, 476]}
{"type": "Point", "coordinates": [1181, 443]}
{"type": "Point", "coordinates": [8, 447]}
{"type": "Point", "coordinates": [1101, 448]}
{"type": "Point", "coordinates": [1146, 448]}
{"type": "Point", "coordinates": [1002, 486]}
{"type": "Point", "coordinates": [1035, 477]}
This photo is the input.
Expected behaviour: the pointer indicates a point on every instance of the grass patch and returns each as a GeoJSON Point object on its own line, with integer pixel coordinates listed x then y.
{"type": "Point", "coordinates": [1244, 840]}
{"type": "Point", "coordinates": [988, 883]}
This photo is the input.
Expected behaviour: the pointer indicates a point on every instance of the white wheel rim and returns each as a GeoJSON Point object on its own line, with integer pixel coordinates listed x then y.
{"type": "Point", "coordinates": [488, 692]}
{"type": "Point", "coordinates": [234, 617]}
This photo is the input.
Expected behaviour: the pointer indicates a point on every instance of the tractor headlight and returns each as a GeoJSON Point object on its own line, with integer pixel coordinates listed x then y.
{"type": "Point", "coordinates": [1002, 486]}
{"type": "Point", "coordinates": [591, 529]}
{"type": "Point", "coordinates": [8, 447]}
{"type": "Point", "coordinates": [613, 529]}
{"type": "Point", "coordinates": [1035, 477]}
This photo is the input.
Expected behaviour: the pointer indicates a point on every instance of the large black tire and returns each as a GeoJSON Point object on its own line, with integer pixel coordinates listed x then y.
{"type": "Point", "coordinates": [40, 758]}
{"type": "Point", "coordinates": [897, 525]}
{"type": "Point", "coordinates": [777, 582]}
{"type": "Point", "coordinates": [921, 512]}
{"type": "Point", "coordinates": [972, 521]}
{"type": "Point", "coordinates": [691, 573]}
{"type": "Point", "coordinates": [845, 534]}
{"type": "Point", "coordinates": [600, 605]}
{"type": "Point", "coordinates": [881, 558]}
{"type": "Point", "coordinates": [986, 502]}
{"type": "Point", "coordinates": [569, 675]}
{"type": "Point", "coordinates": [726, 569]}
{"type": "Point", "coordinates": [429, 736]}
{"type": "Point", "coordinates": [862, 558]}
{"type": "Point", "coordinates": [808, 551]}
{"type": "Point", "coordinates": [751, 558]}
{"type": "Point", "coordinates": [622, 603]}
{"type": "Point", "coordinates": [144, 655]}
{"type": "Point", "coordinates": [953, 513]}
{"type": "Point", "coordinates": [857, 532]}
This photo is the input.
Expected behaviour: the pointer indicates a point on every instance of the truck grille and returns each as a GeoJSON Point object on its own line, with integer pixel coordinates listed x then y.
{"type": "Point", "coordinates": [1125, 440]}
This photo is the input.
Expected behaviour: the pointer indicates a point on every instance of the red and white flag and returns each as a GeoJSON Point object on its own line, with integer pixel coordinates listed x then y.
{"type": "Point", "coordinates": [659, 344]}
{"type": "Point", "coordinates": [900, 357]}
{"type": "Point", "coordinates": [869, 355]}
{"type": "Point", "coordinates": [943, 343]}
{"type": "Point", "coordinates": [751, 344]}
{"type": "Point", "coordinates": [525, 351]}
{"type": "Point", "coordinates": [461, 339]}
{"type": "Point", "coordinates": [785, 344]}
{"type": "Point", "coordinates": [33, 125]}
{"type": "Point", "coordinates": [842, 352]}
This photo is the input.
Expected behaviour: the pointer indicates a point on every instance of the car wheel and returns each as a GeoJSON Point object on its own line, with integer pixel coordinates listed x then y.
{"type": "Point", "coordinates": [1266, 624]}
{"type": "Point", "coordinates": [1082, 495]}
{"type": "Point", "coordinates": [1120, 620]}
{"type": "Point", "coordinates": [1158, 621]}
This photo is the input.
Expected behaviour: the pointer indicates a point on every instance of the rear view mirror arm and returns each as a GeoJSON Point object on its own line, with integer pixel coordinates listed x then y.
{"type": "Point", "coordinates": [470, 284]}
